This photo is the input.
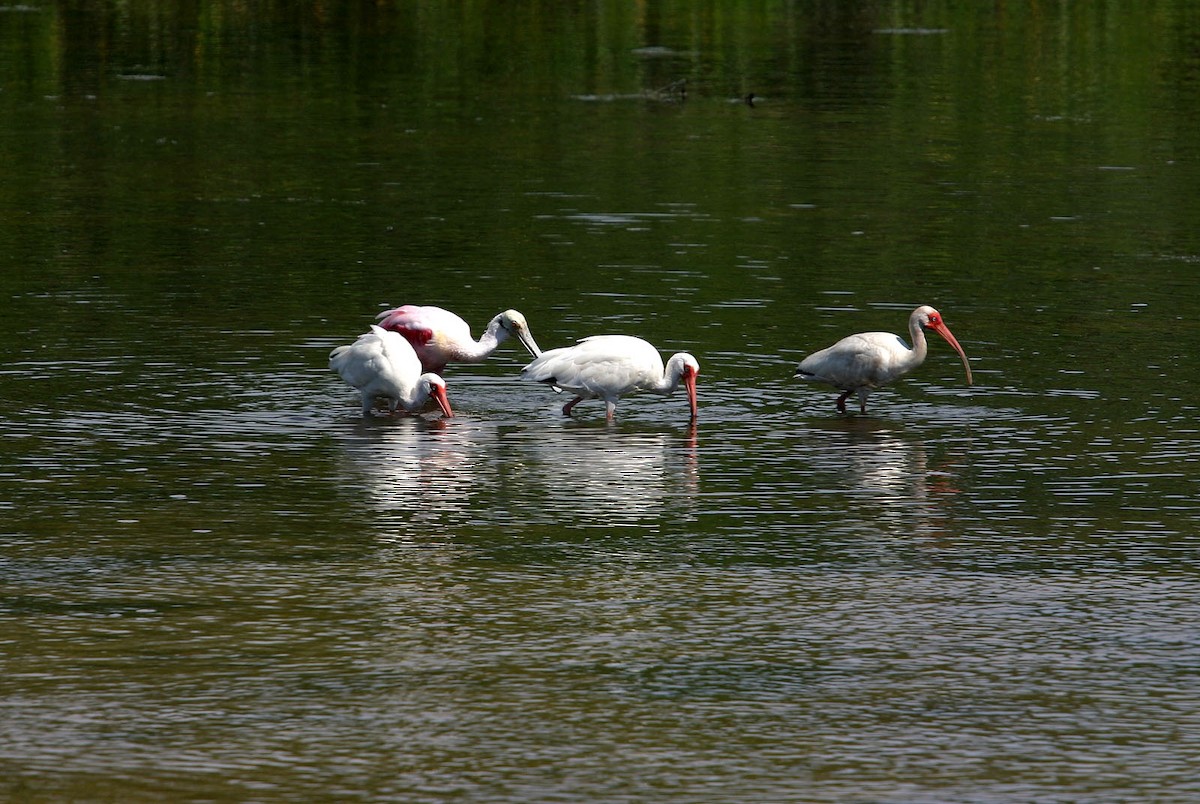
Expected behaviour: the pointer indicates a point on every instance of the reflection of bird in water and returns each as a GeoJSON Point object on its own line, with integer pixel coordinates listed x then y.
{"type": "Point", "coordinates": [858, 364]}
{"type": "Point", "coordinates": [424, 478]}
{"type": "Point", "coordinates": [440, 337]}
{"type": "Point", "coordinates": [606, 477]}
{"type": "Point", "coordinates": [610, 366]}
{"type": "Point", "coordinates": [879, 462]}
{"type": "Point", "coordinates": [417, 474]}
{"type": "Point", "coordinates": [888, 469]}
{"type": "Point", "coordinates": [381, 365]}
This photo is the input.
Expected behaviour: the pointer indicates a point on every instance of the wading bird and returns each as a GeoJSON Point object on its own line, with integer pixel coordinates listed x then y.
{"type": "Point", "coordinates": [439, 336]}
{"type": "Point", "coordinates": [859, 364]}
{"type": "Point", "coordinates": [382, 365]}
{"type": "Point", "coordinates": [609, 366]}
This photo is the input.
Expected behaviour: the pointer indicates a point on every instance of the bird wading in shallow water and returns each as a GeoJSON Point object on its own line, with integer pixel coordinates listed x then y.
{"type": "Point", "coordinates": [439, 336]}
{"type": "Point", "coordinates": [859, 364]}
{"type": "Point", "coordinates": [382, 365]}
{"type": "Point", "coordinates": [610, 366]}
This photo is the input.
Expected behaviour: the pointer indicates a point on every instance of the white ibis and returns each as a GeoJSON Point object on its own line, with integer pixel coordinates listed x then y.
{"type": "Point", "coordinates": [858, 364]}
{"type": "Point", "coordinates": [382, 365]}
{"type": "Point", "coordinates": [608, 366]}
{"type": "Point", "coordinates": [440, 337]}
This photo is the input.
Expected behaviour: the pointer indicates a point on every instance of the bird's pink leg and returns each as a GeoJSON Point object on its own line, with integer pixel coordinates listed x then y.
{"type": "Point", "coordinates": [841, 403]}
{"type": "Point", "coordinates": [567, 407]}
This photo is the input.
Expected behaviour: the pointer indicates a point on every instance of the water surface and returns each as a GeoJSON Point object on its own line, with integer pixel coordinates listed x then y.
{"type": "Point", "coordinates": [218, 580]}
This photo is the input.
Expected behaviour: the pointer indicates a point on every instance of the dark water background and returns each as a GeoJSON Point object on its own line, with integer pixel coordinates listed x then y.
{"type": "Point", "coordinates": [218, 582]}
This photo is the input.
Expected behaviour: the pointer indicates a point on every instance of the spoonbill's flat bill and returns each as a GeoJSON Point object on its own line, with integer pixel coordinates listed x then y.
{"type": "Point", "coordinates": [382, 365]}
{"type": "Point", "coordinates": [439, 336]}
{"type": "Point", "coordinates": [859, 364]}
{"type": "Point", "coordinates": [610, 366]}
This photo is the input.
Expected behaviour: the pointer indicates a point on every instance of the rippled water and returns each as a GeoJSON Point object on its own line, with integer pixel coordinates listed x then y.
{"type": "Point", "coordinates": [219, 581]}
{"type": "Point", "coordinates": [243, 588]}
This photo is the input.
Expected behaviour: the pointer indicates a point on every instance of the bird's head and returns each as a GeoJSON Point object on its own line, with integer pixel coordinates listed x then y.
{"type": "Point", "coordinates": [513, 323]}
{"type": "Point", "coordinates": [435, 387]}
{"type": "Point", "coordinates": [930, 318]}
{"type": "Point", "coordinates": [686, 368]}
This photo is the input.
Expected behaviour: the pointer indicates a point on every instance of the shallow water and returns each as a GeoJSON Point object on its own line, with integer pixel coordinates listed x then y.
{"type": "Point", "coordinates": [218, 580]}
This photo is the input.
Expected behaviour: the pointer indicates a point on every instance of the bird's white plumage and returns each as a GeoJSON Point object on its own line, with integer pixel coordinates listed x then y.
{"type": "Point", "coordinates": [859, 364]}
{"type": "Point", "coordinates": [610, 366]}
{"type": "Point", "coordinates": [870, 359]}
{"type": "Point", "coordinates": [615, 364]}
{"type": "Point", "coordinates": [382, 365]}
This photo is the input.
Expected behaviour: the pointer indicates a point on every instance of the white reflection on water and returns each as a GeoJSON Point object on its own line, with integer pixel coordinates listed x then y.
{"type": "Point", "coordinates": [777, 472]}
{"type": "Point", "coordinates": [429, 477]}
{"type": "Point", "coordinates": [886, 475]}
{"type": "Point", "coordinates": [880, 463]}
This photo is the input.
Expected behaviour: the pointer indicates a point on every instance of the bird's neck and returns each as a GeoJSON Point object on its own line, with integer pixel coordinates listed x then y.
{"type": "Point", "coordinates": [416, 397]}
{"type": "Point", "coordinates": [670, 380]}
{"type": "Point", "coordinates": [920, 346]}
{"type": "Point", "coordinates": [491, 338]}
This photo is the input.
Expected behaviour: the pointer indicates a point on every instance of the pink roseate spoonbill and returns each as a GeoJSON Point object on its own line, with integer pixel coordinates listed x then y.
{"type": "Point", "coordinates": [609, 366]}
{"type": "Point", "coordinates": [440, 337]}
{"type": "Point", "coordinates": [859, 364]}
{"type": "Point", "coordinates": [382, 365]}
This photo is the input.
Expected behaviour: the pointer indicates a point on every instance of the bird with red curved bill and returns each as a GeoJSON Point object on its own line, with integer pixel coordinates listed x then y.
{"type": "Point", "coordinates": [382, 365]}
{"type": "Point", "coordinates": [610, 366]}
{"type": "Point", "coordinates": [440, 337]}
{"type": "Point", "coordinates": [859, 364]}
